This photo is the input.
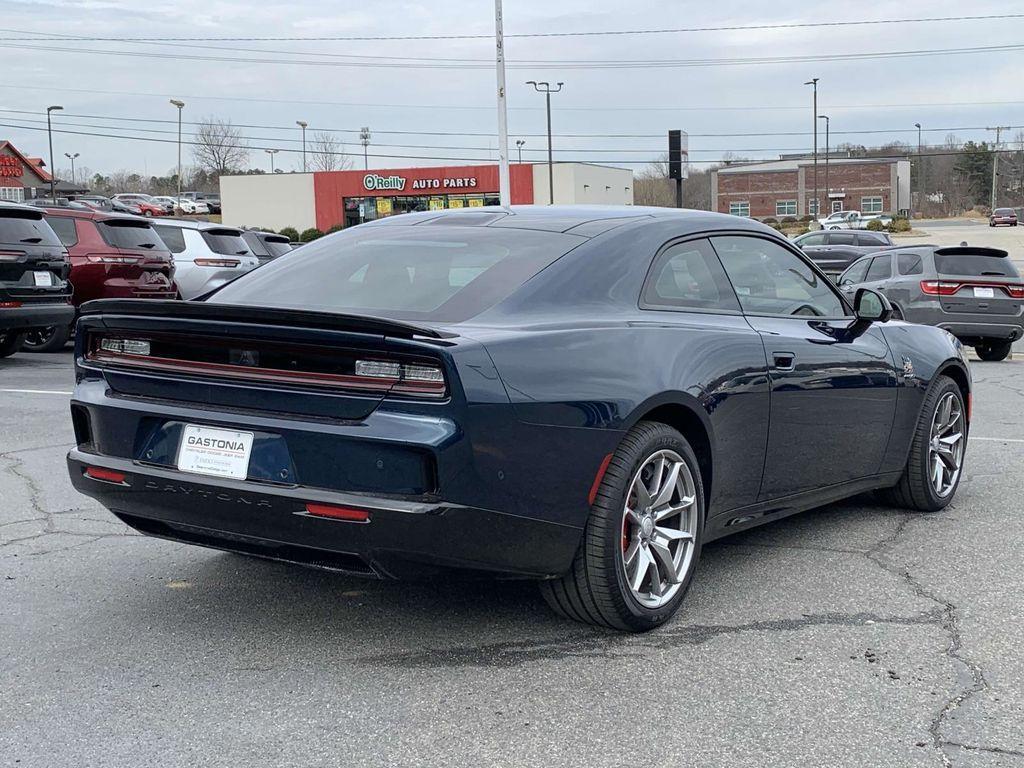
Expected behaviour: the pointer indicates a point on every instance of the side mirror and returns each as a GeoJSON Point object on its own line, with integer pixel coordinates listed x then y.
{"type": "Point", "coordinates": [871, 307]}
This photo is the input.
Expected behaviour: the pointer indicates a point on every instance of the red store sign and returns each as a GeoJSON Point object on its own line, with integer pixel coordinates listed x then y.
{"type": "Point", "coordinates": [10, 167]}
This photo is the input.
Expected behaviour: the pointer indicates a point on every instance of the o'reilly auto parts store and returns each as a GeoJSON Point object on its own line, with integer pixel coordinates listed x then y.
{"type": "Point", "coordinates": [324, 199]}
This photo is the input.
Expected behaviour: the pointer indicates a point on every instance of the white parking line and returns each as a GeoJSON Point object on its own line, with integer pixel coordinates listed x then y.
{"type": "Point", "coordinates": [36, 391]}
{"type": "Point", "coordinates": [997, 439]}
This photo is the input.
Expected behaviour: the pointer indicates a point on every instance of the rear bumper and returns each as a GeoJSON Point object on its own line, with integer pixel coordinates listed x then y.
{"type": "Point", "coordinates": [403, 538]}
{"type": "Point", "coordinates": [36, 315]}
{"type": "Point", "coordinates": [986, 330]}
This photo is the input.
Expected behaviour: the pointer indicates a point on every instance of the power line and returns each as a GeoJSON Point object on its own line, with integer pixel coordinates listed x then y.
{"type": "Point", "coordinates": [450, 107]}
{"type": "Point", "coordinates": [593, 33]}
{"type": "Point", "coordinates": [481, 64]}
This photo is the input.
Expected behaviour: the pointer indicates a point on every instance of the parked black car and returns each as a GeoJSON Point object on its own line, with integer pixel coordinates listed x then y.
{"type": "Point", "coordinates": [34, 267]}
{"type": "Point", "coordinates": [267, 246]}
{"type": "Point", "coordinates": [834, 250]}
{"type": "Point", "coordinates": [584, 396]}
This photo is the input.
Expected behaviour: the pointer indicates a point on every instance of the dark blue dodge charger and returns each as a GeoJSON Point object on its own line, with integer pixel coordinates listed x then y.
{"type": "Point", "coordinates": [582, 396]}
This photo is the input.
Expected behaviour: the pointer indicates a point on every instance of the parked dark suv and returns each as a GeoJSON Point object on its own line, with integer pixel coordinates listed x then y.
{"type": "Point", "coordinates": [34, 287]}
{"type": "Point", "coordinates": [267, 246]}
{"type": "Point", "coordinates": [835, 250]}
{"type": "Point", "coordinates": [974, 293]}
{"type": "Point", "coordinates": [112, 257]}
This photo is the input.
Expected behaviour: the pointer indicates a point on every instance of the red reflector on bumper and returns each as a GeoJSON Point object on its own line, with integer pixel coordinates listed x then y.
{"type": "Point", "coordinates": [106, 475]}
{"type": "Point", "coordinates": [338, 513]}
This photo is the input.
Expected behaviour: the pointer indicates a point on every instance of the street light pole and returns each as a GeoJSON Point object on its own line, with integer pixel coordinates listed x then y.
{"type": "Point", "coordinates": [271, 152]}
{"type": "Point", "coordinates": [504, 192]}
{"type": "Point", "coordinates": [180, 105]}
{"type": "Point", "coordinates": [828, 189]}
{"type": "Point", "coordinates": [302, 124]}
{"type": "Point", "coordinates": [519, 146]}
{"type": "Point", "coordinates": [364, 139]}
{"type": "Point", "coordinates": [71, 157]}
{"type": "Point", "coordinates": [547, 90]}
{"type": "Point", "coordinates": [817, 205]}
{"type": "Point", "coordinates": [49, 135]}
{"type": "Point", "coordinates": [920, 170]}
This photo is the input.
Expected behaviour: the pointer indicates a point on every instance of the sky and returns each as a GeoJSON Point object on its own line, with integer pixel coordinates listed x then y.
{"type": "Point", "coordinates": [416, 110]}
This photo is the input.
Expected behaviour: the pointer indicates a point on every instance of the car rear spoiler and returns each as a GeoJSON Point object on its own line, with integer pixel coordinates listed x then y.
{"type": "Point", "coordinates": [239, 313]}
{"type": "Point", "coordinates": [971, 250]}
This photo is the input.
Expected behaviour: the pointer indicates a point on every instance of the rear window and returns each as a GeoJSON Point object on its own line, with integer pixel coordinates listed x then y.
{"type": "Point", "coordinates": [278, 246]}
{"type": "Point", "coordinates": [974, 265]}
{"type": "Point", "coordinates": [1004, 212]}
{"type": "Point", "coordinates": [25, 228]}
{"type": "Point", "coordinates": [130, 235]}
{"type": "Point", "coordinates": [446, 274]}
{"type": "Point", "coordinates": [225, 241]}
{"type": "Point", "coordinates": [172, 237]}
{"type": "Point", "coordinates": [65, 228]}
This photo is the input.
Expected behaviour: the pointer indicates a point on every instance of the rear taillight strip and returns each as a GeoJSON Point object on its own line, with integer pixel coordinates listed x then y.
{"type": "Point", "coordinates": [951, 287]}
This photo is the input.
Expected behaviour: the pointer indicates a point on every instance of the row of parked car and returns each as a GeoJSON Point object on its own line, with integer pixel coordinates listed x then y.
{"type": "Point", "coordinates": [52, 260]}
{"type": "Point", "coordinates": [974, 293]}
{"type": "Point", "coordinates": [138, 203]}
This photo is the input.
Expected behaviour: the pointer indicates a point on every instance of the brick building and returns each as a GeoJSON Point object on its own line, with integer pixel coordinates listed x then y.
{"type": "Point", "coordinates": [785, 187]}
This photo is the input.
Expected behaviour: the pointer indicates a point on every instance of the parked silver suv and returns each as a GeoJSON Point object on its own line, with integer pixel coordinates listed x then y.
{"type": "Point", "coordinates": [974, 293]}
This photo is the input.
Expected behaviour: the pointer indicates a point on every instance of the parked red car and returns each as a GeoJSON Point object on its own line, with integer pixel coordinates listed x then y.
{"type": "Point", "coordinates": [113, 256]}
{"type": "Point", "coordinates": [1006, 216]}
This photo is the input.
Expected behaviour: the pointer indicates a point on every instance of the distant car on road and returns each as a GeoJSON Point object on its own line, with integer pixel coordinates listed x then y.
{"type": "Point", "coordinates": [34, 266]}
{"type": "Point", "coordinates": [833, 252]}
{"type": "Point", "coordinates": [974, 293]}
{"type": "Point", "coordinates": [1003, 216]}
{"type": "Point", "coordinates": [266, 245]}
{"type": "Point", "coordinates": [206, 255]}
{"type": "Point", "coordinates": [112, 256]}
{"type": "Point", "coordinates": [852, 220]}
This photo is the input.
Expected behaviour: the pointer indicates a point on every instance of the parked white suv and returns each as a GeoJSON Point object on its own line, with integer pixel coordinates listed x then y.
{"type": "Point", "coordinates": [205, 255]}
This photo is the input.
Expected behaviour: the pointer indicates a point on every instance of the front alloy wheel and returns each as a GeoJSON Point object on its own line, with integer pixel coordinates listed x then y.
{"type": "Point", "coordinates": [642, 541]}
{"type": "Point", "coordinates": [658, 529]}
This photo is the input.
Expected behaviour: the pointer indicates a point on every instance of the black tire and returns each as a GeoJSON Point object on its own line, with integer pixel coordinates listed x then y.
{"type": "Point", "coordinates": [10, 342]}
{"type": "Point", "coordinates": [51, 339]}
{"type": "Point", "coordinates": [594, 591]}
{"type": "Point", "coordinates": [914, 490]}
{"type": "Point", "coordinates": [992, 350]}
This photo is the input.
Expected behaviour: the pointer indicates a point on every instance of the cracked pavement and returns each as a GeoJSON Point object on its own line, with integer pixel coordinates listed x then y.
{"type": "Point", "coordinates": [850, 635]}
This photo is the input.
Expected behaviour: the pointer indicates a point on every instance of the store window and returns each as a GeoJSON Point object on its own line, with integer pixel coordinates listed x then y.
{"type": "Point", "coordinates": [785, 207]}
{"type": "Point", "coordinates": [871, 205]}
{"type": "Point", "coordinates": [739, 208]}
{"type": "Point", "coordinates": [812, 207]}
{"type": "Point", "coordinates": [12, 194]}
{"type": "Point", "coordinates": [360, 209]}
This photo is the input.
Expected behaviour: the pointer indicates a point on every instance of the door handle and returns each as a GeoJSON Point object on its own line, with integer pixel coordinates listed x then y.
{"type": "Point", "coordinates": [784, 361]}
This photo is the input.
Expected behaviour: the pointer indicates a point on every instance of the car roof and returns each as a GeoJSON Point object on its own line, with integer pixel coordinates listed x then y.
{"type": "Point", "coordinates": [79, 213]}
{"type": "Point", "coordinates": [585, 220]}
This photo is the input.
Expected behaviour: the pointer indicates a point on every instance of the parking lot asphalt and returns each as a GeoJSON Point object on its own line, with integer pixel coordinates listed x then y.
{"type": "Point", "coordinates": [853, 635]}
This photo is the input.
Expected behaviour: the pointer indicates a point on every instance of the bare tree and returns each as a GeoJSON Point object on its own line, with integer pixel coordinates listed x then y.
{"type": "Point", "coordinates": [219, 147]}
{"type": "Point", "coordinates": [327, 153]}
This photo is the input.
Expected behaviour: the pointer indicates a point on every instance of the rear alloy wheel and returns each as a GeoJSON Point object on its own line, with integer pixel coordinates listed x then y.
{"type": "Point", "coordinates": [993, 351]}
{"type": "Point", "coordinates": [10, 342]}
{"type": "Point", "coordinates": [936, 459]}
{"type": "Point", "coordinates": [642, 541]}
{"type": "Point", "coordinates": [49, 339]}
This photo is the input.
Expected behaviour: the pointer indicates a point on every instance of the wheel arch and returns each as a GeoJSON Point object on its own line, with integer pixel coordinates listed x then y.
{"type": "Point", "coordinates": [683, 413]}
{"type": "Point", "coordinates": [958, 373]}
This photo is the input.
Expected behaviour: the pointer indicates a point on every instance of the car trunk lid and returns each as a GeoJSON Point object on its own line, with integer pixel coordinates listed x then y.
{"type": "Point", "coordinates": [976, 280]}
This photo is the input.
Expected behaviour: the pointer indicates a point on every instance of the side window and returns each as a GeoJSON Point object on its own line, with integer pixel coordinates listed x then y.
{"type": "Point", "coordinates": [841, 238]}
{"type": "Point", "coordinates": [880, 269]}
{"type": "Point", "coordinates": [856, 273]}
{"type": "Point", "coordinates": [64, 226]}
{"type": "Point", "coordinates": [688, 276]}
{"type": "Point", "coordinates": [818, 238]}
{"type": "Point", "coordinates": [771, 280]}
{"type": "Point", "coordinates": [909, 264]}
{"type": "Point", "coordinates": [173, 237]}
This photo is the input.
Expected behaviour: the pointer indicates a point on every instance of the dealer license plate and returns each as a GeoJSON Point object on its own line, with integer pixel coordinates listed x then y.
{"type": "Point", "coordinates": [984, 293]}
{"type": "Point", "coordinates": [216, 452]}
{"type": "Point", "coordinates": [43, 278]}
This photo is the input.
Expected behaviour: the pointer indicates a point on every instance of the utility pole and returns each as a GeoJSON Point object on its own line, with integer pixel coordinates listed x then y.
{"type": "Point", "coordinates": [828, 189]}
{"type": "Point", "coordinates": [519, 145]}
{"type": "Point", "coordinates": [71, 157]}
{"type": "Point", "coordinates": [547, 90]}
{"type": "Point", "coordinates": [302, 124]}
{"type": "Point", "coordinates": [364, 139]}
{"type": "Point", "coordinates": [920, 175]}
{"type": "Point", "coordinates": [504, 196]}
{"type": "Point", "coordinates": [817, 206]}
{"type": "Point", "coordinates": [180, 105]}
{"type": "Point", "coordinates": [995, 162]}
{"type": "Point", "coordinates": [53, 171]}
